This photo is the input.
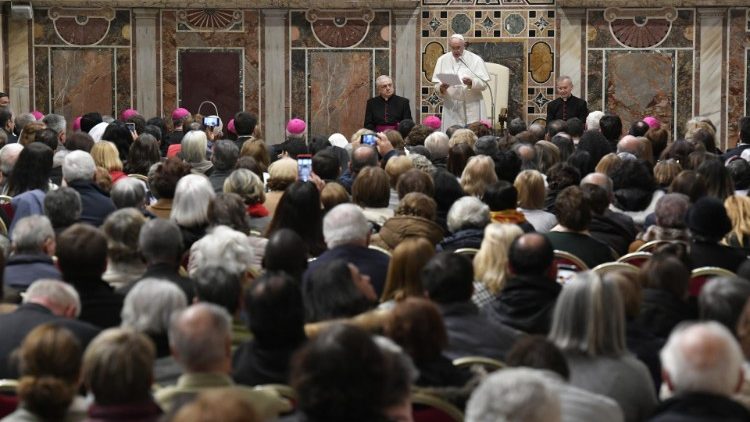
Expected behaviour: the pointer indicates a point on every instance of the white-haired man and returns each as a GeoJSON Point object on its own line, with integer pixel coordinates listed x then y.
{"type": "Point", "coordinates": [78, 173]}
{"type": "Point", "coordinates": [385, 110]}
{"type": "Point", "coordinates": [46, 301]}
{"type": "Point", "coordinates": [702, 366]}
{"type": "Point", "coordinates": [514, 395]}
{"type": "Point", "coordinates": [347, 234]}
{"type": "Point", "coordinates": [566, 105]}
{"type": "Point", "coordinates": [462, 103]}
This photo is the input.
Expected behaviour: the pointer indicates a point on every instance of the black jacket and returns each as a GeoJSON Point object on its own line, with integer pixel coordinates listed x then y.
{"type": "Point", "coordinates": [613, 228]}
{"type": "Point", "coordinates": [661, 311]}
{"type": "Point", "coordinates": [473, 334]}
{"type": "Point", "coordinates": [700, 407]}
{"type": "Point", "coordinates": [526, 303]}
{"type": "Point", "coordinates": [574, 107]}
{"type": "Point", "coordinates": [398, 109]}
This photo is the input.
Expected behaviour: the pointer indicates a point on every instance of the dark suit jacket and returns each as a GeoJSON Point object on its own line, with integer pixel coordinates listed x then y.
{"type": "Point", "coordinates": [398, 110]}
{"type": "Point", "coordinates": [95, 204]}
{"type": "Point", "coordinates": [473, 334]}
{"type": "Point", "coordinates": [16, 325]}
{"type": "Point", "coordinates": [100, 304]}
{"type": "Point", "coordinates": [526, 303]}
{"type": "Point", "coordinates": [368, 261]}
{"type": "Point", "coordinates": [575, 107]}
{"type": "Point", "coordinates": [164, 272]}
{"type": "Point", "coordinates": [706, 254]}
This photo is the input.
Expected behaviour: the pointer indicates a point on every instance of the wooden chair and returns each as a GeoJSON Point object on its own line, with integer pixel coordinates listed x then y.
{"type": "Point", "coordinates": [489, 364]}
{"type": "Point", "coordinates": [8, 386]}
{"type": "Point", "coordinates": [379, 249]}
{"type": "Point", "coordinates": [568, 265]}
{"type": "Point", "coordinates": [467, 252]}
{"type": "Point", "coordinates": [637, 259]}
{"type": "Point", "coordinates": [655, 244]}
{"type": "Point", "coordinates": [430, 408]}
{"type": "Point", "coordinates": [701, 276]}
{"type": "Point", "coordinates": [608, 267]}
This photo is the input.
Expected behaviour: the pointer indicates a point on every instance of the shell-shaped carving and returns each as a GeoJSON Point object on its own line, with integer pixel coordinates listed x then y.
{"type": "Point", "coordinates": [338, 34]}
{"type": "Point", "coordinates": [540, 62]}
{"type": "Point", "coordinates": [631, 34]}
{"type": "Point", "coordinates": [432, 52]}
{"type": "Point", "coordinates": [210, 18]}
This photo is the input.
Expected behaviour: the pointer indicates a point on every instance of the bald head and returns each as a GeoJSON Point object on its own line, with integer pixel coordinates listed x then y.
{"type": "Point", "coordinates": [362, 157]}
{"type": "Point", "coordinates": [531, 253]}
{"type": "Point", "coordinates": [200, 338]}
{"type": "Point", "coordinates": [599, 179]}
{"type": "Point", "coordinates": [702, 357]}
{"type": "Point", "coordinates": [631, 144]}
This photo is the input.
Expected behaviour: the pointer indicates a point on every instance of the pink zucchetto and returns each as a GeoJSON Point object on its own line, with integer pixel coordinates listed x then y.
{"type": "Point", "coordinates": [230, 127]}
{"type": "Point", "coordinates": [652, 122]}
{"type": "Point", "coordinates": [432, 122]}
{"type": "Point", "coordinates": [179, 113]}
{"type": "Point", "coordinates": [77, 124]}
{"type": "Point", "coordinates": [296, 126]}
{"type": "Point", "coordinates": [37, 115]}
{"type": "Point", "coordinates": [126, 114]}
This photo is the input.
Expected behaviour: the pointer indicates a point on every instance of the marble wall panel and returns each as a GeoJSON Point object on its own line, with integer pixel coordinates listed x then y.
{"type": "Point", "coordinates": [738, 71]}
{"type": "Point", "coordinates": [200, 82]}
{"type": "Point", "coordinates": [82, 80]}
{"type": "Point", "coordinates": [684, 98]}
{"type": "Point", "coordinates": [172, 40]}
{"type": "Point", "coordinates": [512, 54]}
{"type": "Point", "coordinates": [594, 71]}
{"type": "Point", "coordinates": [94, 26]}
{"type": "Point", "coordinates": [42, 80]}
{"type": "Point", "coordinates": [299, 83]}
{"type": "Point", "coordinates": [640, 84]}
{"type": "Point", "coordinates": [337, 104]}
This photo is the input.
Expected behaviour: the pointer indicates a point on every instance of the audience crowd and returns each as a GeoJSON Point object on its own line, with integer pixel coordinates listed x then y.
{"type": "Point", "coordinates": [165, 270]}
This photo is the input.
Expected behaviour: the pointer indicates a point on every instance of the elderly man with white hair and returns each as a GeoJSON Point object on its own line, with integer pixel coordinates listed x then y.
{"type": "Point", "coordinates": [514, 395]}
{"type": "Point", "coordinates": [46, 301]}
{"type": "Point", "coordinates": [386, 110]}
{"type": "Point", "coordinates": [33, 249]}
{"type": "Point", "coordinates": [463, 102]}
{"type": "Point", "coordinates": [8, 157]}
{"type": "Point", "coordinates": [225, 246]}
{"type": "Point", "coordinates": [702, 366]}
{"type": "Point", "coordinates": [467, 218]}
{"type": "Point", "coordinates": [347, 234]}
{"type": "Point", "coordinates": [78, 173]}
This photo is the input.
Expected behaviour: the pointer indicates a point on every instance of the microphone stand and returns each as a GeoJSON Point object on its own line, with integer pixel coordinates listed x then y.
{"type": "Point", "coordinates": [492, 96]}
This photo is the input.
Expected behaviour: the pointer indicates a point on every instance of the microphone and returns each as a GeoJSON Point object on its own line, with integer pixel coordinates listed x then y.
{"type": "Point", "coordinates": [492, 96]}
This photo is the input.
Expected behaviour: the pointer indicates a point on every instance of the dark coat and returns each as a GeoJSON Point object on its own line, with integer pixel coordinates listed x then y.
{"type": "Point", "coordinates": [473, 334]}
{"type": "Point", "coordinates": [590, 250]}
{"type": "Point", "coordinates": [254, 365]}
{"type": "Point", "coordinates": [707, 254]}
{"type": "Point", "coordinates": [100, 304]}
{"type": "Point", "coordinates": [526, 303]}
{"type": "Point", "coordinates": [613, 228]}
{"type": "Point", "coordinates": [95, 204]}
{"type": "Point", "coordinates": [369, 261]}
{"type": "Point", "coordinates": [700, 407]}
{"type": "Point", "coordinates": [24, 269]}
{"type": "Point", "coordinates": [467, 238]}
{"type": "Point", "coordinates": [661, 311]}
{"type": "Point", "coordinates": [16, 325]}
{"type": "Point", "coordinates": [164, 272]}
{"type": "Point", "coordinates": [574, 107]}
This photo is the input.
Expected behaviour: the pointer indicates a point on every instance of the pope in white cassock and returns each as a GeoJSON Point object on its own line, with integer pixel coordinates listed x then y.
{"type": "Point", "coordinates": [462, 104]}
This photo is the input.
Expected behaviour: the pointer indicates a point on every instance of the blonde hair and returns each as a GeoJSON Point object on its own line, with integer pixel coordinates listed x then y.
{"type": "Point", "coordinates": [491, 262]}
{"type": "Point", "coordinates": [257, 149]}
{"type": "Point", "coordinates": [105, 155]}
{"type": "Point", "coordinates": [397, 166]}
{"type": "Point", "coordinates": [531, 190]}
{"type": "Point", "coordinates": [28, 132]}
{"type": "Point", "coordinates": [404, 270]}
{"type": "Point", "coordinates": [247, 185]}
{"type": "Point", "coordinates": [478, 174]}
{"type": "Point", "coordinates": [608, 164]}
{"type": "Point", "coordinates": [738, 209]}
{"type": "Point", "coordinates": [463, 136]}
{"type": "Point", "coordinates": [282, 173]}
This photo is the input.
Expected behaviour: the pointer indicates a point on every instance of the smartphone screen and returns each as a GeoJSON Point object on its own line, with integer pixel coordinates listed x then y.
{"type": "Point", "coordinates": [211, 121]}
{"type": "Point", "coordinates": [304, 167]}
{"type": "Point", "coordinates": [369, 139]}
{"type": "Point", "coordinates": [131, 127]}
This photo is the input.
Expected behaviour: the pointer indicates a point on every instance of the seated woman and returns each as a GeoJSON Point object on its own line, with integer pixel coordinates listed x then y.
{"type": "Point", "coordinates": [415, 216]}
{"type": "Point", "coordinates": [163, 182]}
{"type": "Point", "coordinates": [299, 209]}
{"type": "Point", "coordinates": [491, 262]}
{"type": "Point", "coordinates": [50, 362]}
{"type": "Point", "coordinates": [371, 191]}
{"type": "Point", "coordinates": [670, 213]}
{"type": "Point", "coordinates": [190, 207]}
{"type": "Point", "coordinates": [124, 263]}
{"type": "Point", "coordinates": [589, 327]}
{"type": "Point", "coordinates": [404, 271]}
{"type": "Point", "coordinates": [531, 193]}
{"type": "Point", "coordinates": [738, 209]}
{"type": "Point", "coordinates": [337, 290]}
{"type": "Point", "coordinates": [105, 155]}
{"type": "Point", "coordinates": [467, 219]}
{"type": "Point", "coordinates": [250, 188]}
{"type": "Point", "coordinates": [416, 325]}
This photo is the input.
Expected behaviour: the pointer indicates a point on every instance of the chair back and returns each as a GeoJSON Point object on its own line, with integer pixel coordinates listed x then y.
{"type": "Point", "coordinates": [467, 252]}
{"type": "Point", "coordinates": [500, 87]}
{"type": "Point", "coordinates": [636, 259]}
{"type": "Point", "coordinates": [379, 249]}
{"type": "Point", "coordinates": [609, 267]}
{"type": "Point", "coordinates": [488, 364]}
{"type": "Point", "coordinates": [430, 408]}
{"type": "Point", "coordinates": [567, 266]}
{"type": "Point", "coordinates": [701, 276]}
{"type": "Point", "coordinates": [655, 244]}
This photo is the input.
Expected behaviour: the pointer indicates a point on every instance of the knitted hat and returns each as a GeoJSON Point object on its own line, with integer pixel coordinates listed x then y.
{"type": "Point", "coordinates": [180, 113]}
{"type": "Point", "coordinates": [708, 218]}
{"type": "Point", "coordinates": [230, 127]}
{"type": "Point", "coordinates": [338, 140]}
{"type": "Point", "coordinates": [37, 114]}
{"type": "Point", "coordinates": [432, 121]}
{"type": "Point", "coordinates": [296, 126]}
{"type": "Point", "coordinates": [126, 114]}
{"type": "Point", "coordinates": [77, 124]}
{"type": "Point", "coordinates": [652, 122]}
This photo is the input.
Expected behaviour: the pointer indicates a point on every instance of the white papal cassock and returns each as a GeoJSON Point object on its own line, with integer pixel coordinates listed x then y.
{"type": "Point", "coordinates": [462, 105]}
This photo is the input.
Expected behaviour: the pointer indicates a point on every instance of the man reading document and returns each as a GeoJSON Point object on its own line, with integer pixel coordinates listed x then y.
{"type": "Point", "coordinates": [460, 76]}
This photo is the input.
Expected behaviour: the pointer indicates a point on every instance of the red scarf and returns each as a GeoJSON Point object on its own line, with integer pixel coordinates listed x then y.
{"type": "Point", "coordinates": [257, 210]}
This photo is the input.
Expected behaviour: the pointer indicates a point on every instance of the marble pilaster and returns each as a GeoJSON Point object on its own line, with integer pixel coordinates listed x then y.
{"type": "Point", "coordinates": [405, 72]}
{"type": "Point", "coordinates": [710, 53]}
{"type": "Point", "coordinates": [274, 89]}
{"type": "Point", "coordinates": [570, 52]}
{"type": "Point", "coordinates": [3, 46]}
{"type": "Point", "coordinates": [19, 73]}
{"type": "Point", "coordinates": [145, 61]}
